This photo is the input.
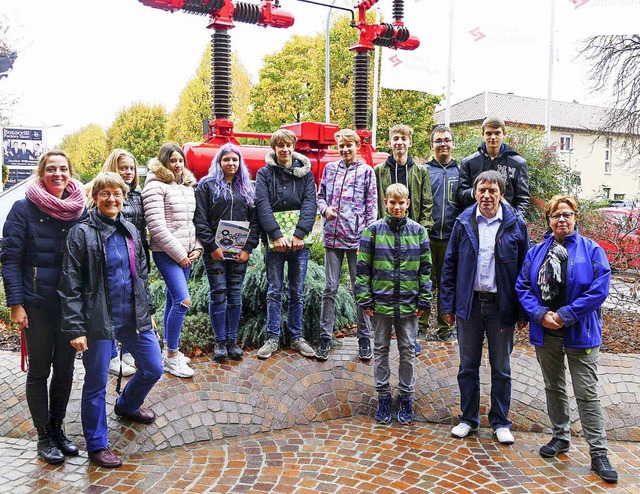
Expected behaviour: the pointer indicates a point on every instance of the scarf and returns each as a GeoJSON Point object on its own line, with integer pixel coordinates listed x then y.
{"type": "Point", "coordinates": [550, 274]}
{"type": "Point", "coordinates": [68, 208]}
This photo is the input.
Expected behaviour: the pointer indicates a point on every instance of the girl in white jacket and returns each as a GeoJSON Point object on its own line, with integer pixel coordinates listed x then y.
{"type": "Point", "coordinates": [169, 205]}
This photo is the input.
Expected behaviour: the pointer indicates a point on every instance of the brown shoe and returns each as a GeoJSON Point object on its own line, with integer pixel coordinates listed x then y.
{"type": "Point", "coordinates": [105, 458]}
{"type": "Point", "coordinates": [143, 415]}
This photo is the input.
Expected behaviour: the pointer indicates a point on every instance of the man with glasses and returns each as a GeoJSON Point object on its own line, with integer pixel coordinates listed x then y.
{"type": "Point", "coordinates": [443, 173]}
{"type": "Point", "coordinates": [487, 248]}
{"type": "Point", "coordinates": [493, 154]}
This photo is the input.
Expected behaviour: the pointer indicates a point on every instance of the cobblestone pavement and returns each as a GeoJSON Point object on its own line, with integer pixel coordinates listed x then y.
{"type": "Point", "coordinates": [291, 424]}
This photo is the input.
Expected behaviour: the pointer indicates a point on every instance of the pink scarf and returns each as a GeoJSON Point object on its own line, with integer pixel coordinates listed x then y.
{"type": "Point", "coordinates": [68, 209]}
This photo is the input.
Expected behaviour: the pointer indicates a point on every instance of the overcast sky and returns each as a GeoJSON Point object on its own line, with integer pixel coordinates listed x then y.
{"type": "Point", "coordinates": [81, 61]}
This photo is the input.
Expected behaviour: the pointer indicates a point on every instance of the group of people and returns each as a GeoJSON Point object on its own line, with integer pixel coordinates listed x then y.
{"type": "Point", "coordinates": [20, 152]}
{"type": "Point", "coordinates": [77, 279]}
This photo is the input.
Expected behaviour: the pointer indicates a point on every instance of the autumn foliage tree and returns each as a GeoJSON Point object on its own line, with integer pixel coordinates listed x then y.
{"type": "Point", "coordinates": [87, 148]}
{"type": "Point", "coordinates": [140, 129]}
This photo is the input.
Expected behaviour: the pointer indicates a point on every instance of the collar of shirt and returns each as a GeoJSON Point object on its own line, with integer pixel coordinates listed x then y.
{"type": "Point", "coordinates": [488, 221]}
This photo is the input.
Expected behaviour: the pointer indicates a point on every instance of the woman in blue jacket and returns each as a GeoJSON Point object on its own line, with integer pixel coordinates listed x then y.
{"type": "Point", "coordinates": [34, 236]}
{"type": "Point", "coordinates": [562, 285]}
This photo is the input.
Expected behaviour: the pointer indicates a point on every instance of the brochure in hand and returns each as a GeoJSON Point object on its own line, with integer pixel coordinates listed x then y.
{"type": "Point", "coordinates": [288, 220]}
{"type": "Point", "coordinates": [231, 236]}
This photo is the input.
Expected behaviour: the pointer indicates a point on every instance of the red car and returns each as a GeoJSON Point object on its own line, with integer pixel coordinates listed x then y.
{"type": "Point", "coordinates": [619, 235]}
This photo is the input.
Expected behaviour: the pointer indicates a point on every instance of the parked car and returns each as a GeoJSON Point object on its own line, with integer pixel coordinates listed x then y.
{"type": "Point", "coordinates": [620, 236]}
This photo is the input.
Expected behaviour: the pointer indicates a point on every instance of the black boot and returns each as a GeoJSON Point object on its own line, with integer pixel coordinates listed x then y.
{"type": "Point", "coordinates": [64, 443]}
{"type": "Point", "coordinates": [47, 447]}
{"type": "Point", "coordinates": [233, 350]}
{"type": "Point", "coordinates": [220, 351]}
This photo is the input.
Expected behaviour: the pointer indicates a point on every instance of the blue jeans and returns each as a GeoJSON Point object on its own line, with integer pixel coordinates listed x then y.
{"type": "Point", "coordinates": [145, 350]}
{"type": "Point", "coordinates": [176, 278]}
{"type": "Point", "coordinates": [485, 319]}
{"type": "Point", "coordinates": [297, 270]}
{"type": "Point", "coordinates": [406, 333]}
{"type": "Point", "coordinates": [225, 296]}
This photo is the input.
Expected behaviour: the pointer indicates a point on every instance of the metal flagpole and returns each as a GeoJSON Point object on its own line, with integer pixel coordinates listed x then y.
{"type": "Point", "coordinates": [447, 109]}
{"type": "Point", "coordinates": [552, 29]}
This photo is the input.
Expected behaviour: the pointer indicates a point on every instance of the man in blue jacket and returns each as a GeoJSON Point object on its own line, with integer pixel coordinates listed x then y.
{"type": "Point", "coordinates": [443, 173]}
{"type": "Point", "coordinates": [493, 154]}
{"type": "Point", "coordinates": [486, 250]}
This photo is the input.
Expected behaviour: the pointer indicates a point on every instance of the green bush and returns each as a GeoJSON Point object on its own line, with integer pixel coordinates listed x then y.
{"type": "Point", "coordinates": [197, 331]}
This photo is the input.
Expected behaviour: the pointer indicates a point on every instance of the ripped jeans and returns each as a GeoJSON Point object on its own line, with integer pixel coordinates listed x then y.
{"type": "Point", "coordinates": [225, 296]}
{"type": "Point", "coordinates": [176, 278]}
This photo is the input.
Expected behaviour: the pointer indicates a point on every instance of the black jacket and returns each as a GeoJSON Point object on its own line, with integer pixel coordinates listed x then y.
{"type": "Point", "coordinates": [285, 189]}
{"type": "Point", "coordinates": [509, 164]}
{"type": "Point", "coordinates": [83, 288]}
{"type": "Point", "coordinates": [211, 208]}
{"type": "Point", "coordinates": [32, 250]}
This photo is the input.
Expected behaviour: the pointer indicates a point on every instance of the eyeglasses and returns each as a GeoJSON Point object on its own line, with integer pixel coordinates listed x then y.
{"type": "Point", "coordinates": [557, 216]}
{"type": "Point", "coordinates": [105, 195]}
{"type": "Point", "coordinates": [442, 141]}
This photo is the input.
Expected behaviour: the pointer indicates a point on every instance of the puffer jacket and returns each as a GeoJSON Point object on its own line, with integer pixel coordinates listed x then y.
{"type": "Point", "coordinates": [169, 208]}
{"type": "Point", "coordinates": [460, 265]}
{"type": "Point", "coordinates": [394, 268]}
{"type": "Point", "coordinates": [212, 207]}
{"type": "Point", "coordinates": [587, 286]}
{"type": "Point", "coordinates": [285, 189]}
{"type": "Point", "coordinates": [352, 192]}
{"type": "Point", "coordinates": [87, 308]}
{"type": "Point", "coordinates": [419, 187]}
{"type": "Point", "coordinates": [509, 164]}
{"type": "Point", "coordinates": [32, 252]}
{"type": "Point", "coordinates": [444, 187]}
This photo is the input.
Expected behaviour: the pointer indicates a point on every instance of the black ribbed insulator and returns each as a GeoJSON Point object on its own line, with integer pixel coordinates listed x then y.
{"type": "Point", "coordinates": [220, 74]}
{"type": "Point", "coordinates": [398, 10]}
{"type": "Point", "coordinates": [403, 34]}
{"type": "Point", "coordinates": [361, 90]}
{"type": "Point", "coordinates": [246, 12]}
{"type": "Point", "coordinates": [388, 30]}
{"type": "Point", "coordinates": [196, 7]}
{"type": "Point", "coordinates": [383, 42]}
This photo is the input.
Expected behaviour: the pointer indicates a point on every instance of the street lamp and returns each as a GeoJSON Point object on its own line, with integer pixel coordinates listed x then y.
{"type": "Point", "coordinates": [45, 142]}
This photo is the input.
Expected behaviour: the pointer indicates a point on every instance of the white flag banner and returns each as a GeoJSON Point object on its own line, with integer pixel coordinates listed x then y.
{"type": "Point", "coordinates": [584, 18]}
{"type": "Point", "coordinates": [425, 68]}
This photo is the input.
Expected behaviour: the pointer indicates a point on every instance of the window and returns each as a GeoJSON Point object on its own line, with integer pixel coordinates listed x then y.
{"type": "Point", "coordinates": [606, 191]}
{"type": "Point", "coordinates": [607, 156]}
{"type": "Point", "coordinates": [566, 143]}
{"type": "Point", "coordinates": [618, 197]}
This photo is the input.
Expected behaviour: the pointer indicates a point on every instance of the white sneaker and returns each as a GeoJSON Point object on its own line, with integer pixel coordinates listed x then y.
{"type": "Point", "coordinates": [128, 359]}
{"type": "Point", "coordinates": [504, 435]}
{"type": "Point", "coordinates": [114, 368]}
{"type": "Point", "coordinates": [177, 367]}
{"type": "Point", "coordinates": [184, 358]}
{"type": "Point", "coordinates": [462, 430]}
{"type": "Point", "coordinates": [266, 350]}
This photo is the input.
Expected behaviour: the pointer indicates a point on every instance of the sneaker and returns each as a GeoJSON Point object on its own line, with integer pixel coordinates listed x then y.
{"type": "Point", "coordinates": [128, 359]}
{"type": "Point", "coordinates": [462, 430]}
{"type": "Point", "coordinates": [504, 435]}
{"type": "Point", "coordinates": [554, 448]}
{"type": "Point", "coordinates": [322, 352]}
{"type": "Point", "coordinates": [450, 338]}
{"type": "Point", "coordinates": [184, 358]}
{"type": "Point", "coordinates": [405, 414]}
{"type": "Point", "coordinates": [220, 353]}
{"type": "Point", "coordinates": [266, 350]}
{"type": "Point", "coordinates": [383, 413]}
{"type": "Point", "coordinates": [364, 348]}
{"type": "Point", "coordinates": [177, 367]}
{"type": "Point", "coordinates": [418, 349]}
{"type": "Point", "coordinates": [303, 348]}
{"type": "Point", "coordinates": [603, 469]}
{"type": "Point", "coordinates": [114, 368]}
{"type": "Point", "coordinates": [234, 351]}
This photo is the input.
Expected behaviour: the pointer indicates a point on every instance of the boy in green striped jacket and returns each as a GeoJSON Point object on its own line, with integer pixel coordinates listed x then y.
{"type": "Point", "coordinates": [393, 287]}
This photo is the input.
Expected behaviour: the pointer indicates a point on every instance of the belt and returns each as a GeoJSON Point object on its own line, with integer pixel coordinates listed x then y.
{"type": "Point", "coordinates": [486, 296]}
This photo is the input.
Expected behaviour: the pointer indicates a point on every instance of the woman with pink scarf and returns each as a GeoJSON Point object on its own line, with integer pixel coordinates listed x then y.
{"type": "Point", "coordinates": [33, 240]}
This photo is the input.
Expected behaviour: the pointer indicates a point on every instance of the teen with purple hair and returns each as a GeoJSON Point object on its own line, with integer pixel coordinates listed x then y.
{"type": "Point", "coordinates": [226, 193]}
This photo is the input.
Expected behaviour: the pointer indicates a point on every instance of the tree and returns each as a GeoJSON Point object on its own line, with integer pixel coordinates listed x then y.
{"type": "Point", "coordinates": [615, 69]}
{"type": "Point", "coordinates": [292, 88]}
{"type": "Point", "coordinates": [140, 129]}
{"type": "Point", "coordinates": [87, 150]}
{"type": "Point", "coordinates": [194, 105]}
{"type": "Point", "coordinates": [8, 55]}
